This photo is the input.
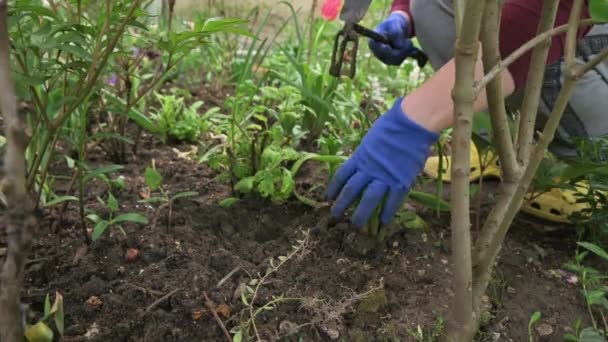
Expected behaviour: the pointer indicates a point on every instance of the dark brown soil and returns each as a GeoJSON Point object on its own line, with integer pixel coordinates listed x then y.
{"type": "Point", "coordinates": [338, 284]}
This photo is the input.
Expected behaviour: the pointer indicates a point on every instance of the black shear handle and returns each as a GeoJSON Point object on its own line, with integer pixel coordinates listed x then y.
{"type": "Point", "coordinates": [420, 57]}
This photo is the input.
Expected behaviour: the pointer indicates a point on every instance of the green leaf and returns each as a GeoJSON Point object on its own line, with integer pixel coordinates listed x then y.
{"type": "Point", "coordinates": [590, 335]}
{"type": "Point", "coordinates": [599, 9]}
{"type": "Point", "coordinates": [429, 200]}
{"type": "Point", "coordinates": [47, 305]}
{"type": "Point", "coordinates": [101, 171]}
{"type": "Point", "coordinates": [228, 202]}
{"type": "Point", "coordinates": [75, 51]}
{"type": "Point", "coordinates": [244, 299]}
{"type": "Point", "coordinates": [39, 332]}
{"type": "Point", "coordinates": [94, 217]}
{"type": "Point", "coordinates": [112, 203]}
{"type": "Point", "coordinates": [131, 217]}
{"type": "Point", "coordinates": [153, 178]}
{"type": "Point", "coordinates": [245, 185]}
{"type": "Point", "coordinates": [71, 162]}
{"type": "Point", "coordinates": [238, 336]}
{"type": "Point", "coordinates": [410, 220]}
{"type": "Point", "coordinates": [595, 249]}
{"type": "Point", "coordinates": [139, 118]}
{"type": "Point", "coordinates": [60, 199]}
{"type": "Point", "coordinates": [100, 227]}
{"type": "Point", "coordinates": [535, 317]}
{"type": "Point", "coordinates": [266, 187]}
{"type": "Point", "coordinates": [582, 169]}
{"type": "Point", "coordinates": [184, 195]}
{"type": "Point", "coordinates": [58, 310]}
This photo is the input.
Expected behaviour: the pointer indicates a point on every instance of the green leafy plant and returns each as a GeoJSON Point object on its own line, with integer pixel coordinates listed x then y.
{"type": "Point", "coordinates": [113, 219]}
{"type": "Point", "coordinates": [178, 122]}
{"type": "Point", "coordinates": [581, 334]}
{"type": "Point", "coordinates": [154, 181]}
{"type": "Point", "coordinates": [533, 319]}
{"type": "Point", "coordinates": [41, 332]}
{"type": "Point", "coordinates": [593, 287]}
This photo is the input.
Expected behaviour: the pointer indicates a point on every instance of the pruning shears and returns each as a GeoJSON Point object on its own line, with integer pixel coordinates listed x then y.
{"type": "Point", "coordinates": [352, 13]}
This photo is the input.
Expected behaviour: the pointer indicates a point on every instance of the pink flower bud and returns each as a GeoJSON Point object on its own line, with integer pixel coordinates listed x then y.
{"type": "Point", "coordinates": [331, 9]}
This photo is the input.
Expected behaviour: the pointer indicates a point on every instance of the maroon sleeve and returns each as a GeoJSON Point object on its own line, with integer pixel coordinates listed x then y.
{"type": "Point", "coordinates": [404, 5]}
{"type": "Point", "coordinates": [519, 23]}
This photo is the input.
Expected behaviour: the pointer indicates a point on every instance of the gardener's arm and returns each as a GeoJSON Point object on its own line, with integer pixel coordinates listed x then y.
{"type": "Point", "coordinates": [431, 105]}
{"type": "Point", "coordinates": [394, 150]}
{"type": "Point", "coordinates": [519, 22]}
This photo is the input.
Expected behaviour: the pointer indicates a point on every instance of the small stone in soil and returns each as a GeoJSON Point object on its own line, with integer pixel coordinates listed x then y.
{"type": "Point", "coordinates": [544, 329]}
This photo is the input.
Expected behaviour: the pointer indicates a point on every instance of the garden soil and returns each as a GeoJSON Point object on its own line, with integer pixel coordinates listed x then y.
{"type": "Point", "coordinates": [335, 285]}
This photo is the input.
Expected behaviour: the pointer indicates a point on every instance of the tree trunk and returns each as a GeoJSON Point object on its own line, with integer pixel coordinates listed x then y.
{"type": "Point", "coordinates": [466, 52]}
{"type": "Point", "coordinates": [19, 218]}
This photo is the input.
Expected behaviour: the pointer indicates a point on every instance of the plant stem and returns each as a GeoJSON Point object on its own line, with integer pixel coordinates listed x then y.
{"type": "Point", "coordinates": [466, 52]}
{"type": "Point", "coordinates": [535, 82]}
{"type": "Point", "coordinates": [311, 29]}
{"type": "Point", "coordinates": [495, 94]}
{"type": "Point", "coordinates": [19, 218]}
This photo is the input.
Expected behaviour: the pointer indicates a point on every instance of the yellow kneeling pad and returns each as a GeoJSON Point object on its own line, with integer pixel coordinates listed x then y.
{"type": "Point", "coordinates": [555, 205]}
{"type": "Point", "coordinates": [489, 160]}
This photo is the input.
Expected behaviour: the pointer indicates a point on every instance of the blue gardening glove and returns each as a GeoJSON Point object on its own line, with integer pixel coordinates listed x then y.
{"type": "Point", "coordinates": [395, 28]}
{"type": "Point", "coordinates": [385, 164]}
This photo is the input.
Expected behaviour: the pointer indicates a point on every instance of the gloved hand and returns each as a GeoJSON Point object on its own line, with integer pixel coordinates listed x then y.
{"type": "Point", "coordinates": [385, 164]}
{"type": "Point", "coordinates": [396, 29]}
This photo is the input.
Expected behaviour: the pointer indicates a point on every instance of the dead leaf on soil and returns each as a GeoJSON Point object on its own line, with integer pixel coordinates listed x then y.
{"type": "Point", "coordinates": [94, 302]}
{"type": "Point", "coordinates": [222, 310]}
{"type": "Point", "coordinates": [144, 193]}
{"type": "Point", "coordinates": [198, 314]}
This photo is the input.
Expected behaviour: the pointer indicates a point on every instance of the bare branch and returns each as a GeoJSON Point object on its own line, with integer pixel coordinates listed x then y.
{"type": "Point", "coordinates": [535, 82]}
{"type": "Point", "coordinates": [19, 219]}
{"type": "Point", "coordinates": [532, 43]}
{"type": "Point", "coordinates": [597, 59]}
{"type": "Point", "coordinates": [495, 94]}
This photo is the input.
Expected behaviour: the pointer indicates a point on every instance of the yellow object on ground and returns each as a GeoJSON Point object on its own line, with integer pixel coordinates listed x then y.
{"type": "Point", "coordinates": [488, 162]}
{"type": "Point", "coordinates": [555, 205]}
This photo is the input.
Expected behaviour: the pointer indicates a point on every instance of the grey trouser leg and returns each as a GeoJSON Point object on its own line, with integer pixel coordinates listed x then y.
{"type": "Point", "coordinates": [587, 113]}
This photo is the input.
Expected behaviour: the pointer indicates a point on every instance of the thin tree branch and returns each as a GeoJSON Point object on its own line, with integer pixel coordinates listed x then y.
{"type": "Point", "coordinates": [467, 49]}
{"type": "Point", "coordinates": [19, 218]}
{"type": "Point", "coordinates": [535, 82]}
{"type": "Point", "coordinates": [495, 94]}
{"type": "Point", "coordinates": [597, 59]}
{"type": "Point", "coordinates": [572, 34]}
{"type": "Point", "coordinates": [532, 43]}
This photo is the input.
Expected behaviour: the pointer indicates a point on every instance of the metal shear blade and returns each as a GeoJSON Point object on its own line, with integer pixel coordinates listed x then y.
{"type": "Point", "coordinates": [342, 52]}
